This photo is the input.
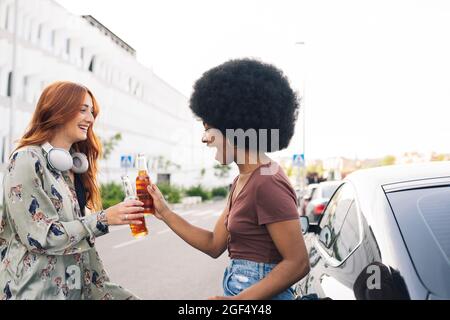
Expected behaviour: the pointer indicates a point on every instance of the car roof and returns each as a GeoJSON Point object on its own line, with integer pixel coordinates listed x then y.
{"type": "Point", "coordinates": [402, 173]}
{"type": "Point", "coordinates": [371, 183]}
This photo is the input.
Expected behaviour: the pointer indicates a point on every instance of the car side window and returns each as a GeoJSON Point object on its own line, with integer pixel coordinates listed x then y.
{"type": "Point", "coordinates": [334, 215]}
{"type": "Point", "coordinates": [348, 237]}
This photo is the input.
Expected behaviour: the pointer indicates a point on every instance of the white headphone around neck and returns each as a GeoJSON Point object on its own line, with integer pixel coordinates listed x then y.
{"type": "Point", "coordinates": [61, 160]}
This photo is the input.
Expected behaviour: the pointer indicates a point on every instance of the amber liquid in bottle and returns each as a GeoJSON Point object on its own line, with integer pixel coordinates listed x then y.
{"type": "Point", "coordinates": [136, 230]}
{"type": "Point", "coordinates": [142, 182]}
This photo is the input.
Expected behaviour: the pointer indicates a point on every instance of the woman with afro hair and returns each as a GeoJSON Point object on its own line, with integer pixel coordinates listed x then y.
{"type": "Point", "coordinates": [248, 109]}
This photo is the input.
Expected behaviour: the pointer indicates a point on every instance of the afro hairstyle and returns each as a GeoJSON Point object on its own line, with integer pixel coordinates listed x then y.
{"type": "Point", "coordinates": [247, 94]}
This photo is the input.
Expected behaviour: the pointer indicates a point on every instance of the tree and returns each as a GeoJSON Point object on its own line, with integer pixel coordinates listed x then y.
{"type": "Point", "coordinates": [289, 171]}
{"type": "Point", "coordinates": [388, 160]}
{"type": "Point", "coordinates": [166, 165]}
{"type": "Point", "coordinates": [108, 147]}
{"type": "Point", "coordinates": [222, 171]}
{"type": "Point", "coordinates": [109, 144]}
{"type": "Point", "coordinates": [439, 157]}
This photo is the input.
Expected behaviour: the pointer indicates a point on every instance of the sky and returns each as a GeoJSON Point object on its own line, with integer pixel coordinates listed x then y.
{"type": "Point", "coordinates": [375, 75]}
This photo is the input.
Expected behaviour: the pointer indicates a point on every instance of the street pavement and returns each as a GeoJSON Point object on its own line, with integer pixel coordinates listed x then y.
{"type": "Point", "coordinates": [162, 266]}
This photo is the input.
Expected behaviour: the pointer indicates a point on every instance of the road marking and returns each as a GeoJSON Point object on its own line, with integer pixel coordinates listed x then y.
{"type": "Point", "coordinates": [186, 212]}
{"type": "Point", "coordinates": [202, 213]}
{"type": "Point", "coordinates": [164, 231]}
{"type": "Point", "coordinates": [128, 243]}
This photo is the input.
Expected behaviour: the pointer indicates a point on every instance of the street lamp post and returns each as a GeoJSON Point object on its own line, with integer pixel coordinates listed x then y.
{"type": "Point", "coordinates": [13, 78]}
{"type": "Point", "coordinates": [302, 107]}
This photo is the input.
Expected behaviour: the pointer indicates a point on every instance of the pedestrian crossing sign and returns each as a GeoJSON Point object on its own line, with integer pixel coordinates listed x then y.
{"type": "Point", "coordinates": [298, 160]}
{"type": "Point", "coordinates": [126, 161]}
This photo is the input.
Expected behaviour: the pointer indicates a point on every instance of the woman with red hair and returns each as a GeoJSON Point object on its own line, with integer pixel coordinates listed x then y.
{"type": "Point", "coordinates": [46, 238]}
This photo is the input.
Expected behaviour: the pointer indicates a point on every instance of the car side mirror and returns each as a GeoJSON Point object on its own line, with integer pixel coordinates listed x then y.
{"type": "Point", "coordinates": [307, 227]}
{"type": "Point", "coordinates": [304, 223]}
{"type": "Point", "coordinates": [377, 282]}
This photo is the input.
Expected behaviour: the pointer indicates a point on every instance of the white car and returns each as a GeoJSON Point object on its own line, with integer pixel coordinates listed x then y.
{"type": "Point", "coordinates": [388, 223]}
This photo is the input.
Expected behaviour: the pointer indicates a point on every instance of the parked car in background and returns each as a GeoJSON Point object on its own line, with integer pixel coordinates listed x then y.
{"type": "Point", "coordinates": [306, 197]}
{"type": "Point", "coordinates": [384, 235]}
{"type": "Point", "coordinates": [299, 192]}
{"type": "Point", "coordinates": [319, 198]}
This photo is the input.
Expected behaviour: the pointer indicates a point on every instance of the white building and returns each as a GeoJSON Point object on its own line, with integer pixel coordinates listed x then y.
{"type": "Point", "coordinates": [152, 116]}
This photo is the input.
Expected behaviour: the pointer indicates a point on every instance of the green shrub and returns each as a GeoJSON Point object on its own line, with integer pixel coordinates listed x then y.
{"type": "Point", "coordinates": [198, 191]}
{"type": "Point", "coordinates": [112, 194]}
{"type": "Point", "coordinates": [220, 192]}
{"type": "Point", "coordinates": [171, 193]}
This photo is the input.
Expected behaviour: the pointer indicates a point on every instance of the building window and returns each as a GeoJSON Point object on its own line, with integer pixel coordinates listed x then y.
{"type": "Point", "coordinates": [25, 88]}
{"type": "Point", "coordinates": [10, 85]}
{"type": "Point", "coordinates": [92, 64]}
{"type": "Point", "coordinates": [53, 39]}
{"type": "Point", "coordinates": [39, 35]}
{"type": "Point", "coordinates": [164, 178]}
{"type": "Point", "coordinates": [7, 17]}
{"type": "Point", "coordinates": [3, 158]}
{"type": "Point", "coordinates": [68, 46]}
{"type": "Point", "coordinates": [137, 90]}
{"type": "Point", "coordinates": [30, 30]}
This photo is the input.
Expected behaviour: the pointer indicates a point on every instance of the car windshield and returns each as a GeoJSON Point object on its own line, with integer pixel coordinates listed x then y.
{"type": "Point", "coordinates": [328, 190]}
{"type": "Point", "coordinates": [424, 220]}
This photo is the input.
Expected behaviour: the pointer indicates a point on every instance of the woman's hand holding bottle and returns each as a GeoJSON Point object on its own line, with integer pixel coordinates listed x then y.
{"type": "Point", "coordinates": [126, 212]}
{"type": "Point", "coordinates": [162, 209]}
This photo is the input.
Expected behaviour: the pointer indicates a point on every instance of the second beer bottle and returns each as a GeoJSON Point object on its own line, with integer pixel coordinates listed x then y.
{"type": "Point", "coordinates": [136, 230]}
{"type": "Point", "coordinates": [142, 181]}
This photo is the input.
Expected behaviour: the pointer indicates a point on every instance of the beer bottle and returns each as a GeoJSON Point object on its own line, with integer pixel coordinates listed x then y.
{"type": "Point", "coordinates": [142, 181]}
{"type": "Point", "coordinates": [136, 230]}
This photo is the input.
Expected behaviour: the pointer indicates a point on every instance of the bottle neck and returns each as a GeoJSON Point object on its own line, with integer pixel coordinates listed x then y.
{"type": "Point", "coordinates": [143, 173]}
{"type": "Point", "coordinates": [142, 165]}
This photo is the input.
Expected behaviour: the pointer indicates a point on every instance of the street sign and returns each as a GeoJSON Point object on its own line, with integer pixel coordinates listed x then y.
{"type": "Point", "coordinates": [298, 160]}
{"type": "Point", "coordinates": [126, 161]}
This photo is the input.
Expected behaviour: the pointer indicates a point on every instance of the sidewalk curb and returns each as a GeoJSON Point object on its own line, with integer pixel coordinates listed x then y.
{"type": "Point", "coordinates": [178, 206]}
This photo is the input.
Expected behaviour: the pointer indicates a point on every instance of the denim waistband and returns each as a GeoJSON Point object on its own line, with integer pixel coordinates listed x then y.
{"type": "Point", "coordinates": [249, 263]}
{"type": "Point", "coordinates": [250, 268]}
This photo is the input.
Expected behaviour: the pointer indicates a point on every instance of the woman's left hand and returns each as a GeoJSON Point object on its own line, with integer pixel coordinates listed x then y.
{"type": "Point", "coordinates": [126, 212]}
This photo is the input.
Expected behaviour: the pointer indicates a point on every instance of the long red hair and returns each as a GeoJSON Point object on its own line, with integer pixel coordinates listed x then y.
{"type": "Point", "coordinates": [59, 103]}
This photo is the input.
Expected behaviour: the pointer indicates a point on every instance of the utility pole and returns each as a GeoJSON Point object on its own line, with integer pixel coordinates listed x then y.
{"type": "Point", "coordinates": [12, 98]}
{"type": "Point", "coordinates": [302, 107]}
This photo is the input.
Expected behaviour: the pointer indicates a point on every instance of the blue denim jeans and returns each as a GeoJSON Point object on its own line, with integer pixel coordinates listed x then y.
{"type": "Point", "coordinates": [241, 274]}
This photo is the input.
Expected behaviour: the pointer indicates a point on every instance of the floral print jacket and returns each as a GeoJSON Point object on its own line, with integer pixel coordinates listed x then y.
{"type": "Point", "coordinates": [46, 245]}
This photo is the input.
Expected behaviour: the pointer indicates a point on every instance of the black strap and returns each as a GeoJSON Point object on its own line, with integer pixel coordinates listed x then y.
{"type": "Point", "coordinates": [81, 193]}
